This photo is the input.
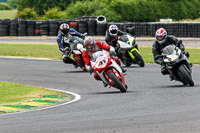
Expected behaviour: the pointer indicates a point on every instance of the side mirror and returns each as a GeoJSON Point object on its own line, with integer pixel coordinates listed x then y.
{"type": "Point", "coordinates": [178, 43]}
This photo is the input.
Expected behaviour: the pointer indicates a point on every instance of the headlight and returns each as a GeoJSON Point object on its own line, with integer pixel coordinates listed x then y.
{"type": "Point", "coordinates": [79, 46]}
{"type": "Point", "coordinates": [174, 58]}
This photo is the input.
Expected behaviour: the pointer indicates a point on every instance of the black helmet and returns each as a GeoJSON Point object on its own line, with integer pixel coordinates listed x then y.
{"type": "Point", "coordinates": [64, 29]}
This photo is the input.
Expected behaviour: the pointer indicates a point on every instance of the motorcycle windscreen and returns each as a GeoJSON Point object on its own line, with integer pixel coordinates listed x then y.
{"type": "Point", "coordinates": [97, 55]}
{"type": "Point", "coordinates": [168, 50]}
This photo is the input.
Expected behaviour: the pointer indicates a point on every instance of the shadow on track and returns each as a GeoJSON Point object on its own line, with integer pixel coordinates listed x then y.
{"type": "Point", "coordinates": [113, 92]}
{"type": "Point", "coordinates": [175, 86]}
{"type": "Point", "coordinates": [76, 71]}
{"type": "Point", "coordinates": [131, 66]}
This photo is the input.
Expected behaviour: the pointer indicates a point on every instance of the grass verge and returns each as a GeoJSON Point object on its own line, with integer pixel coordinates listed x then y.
{"type": "Point", "coordinates": [8, 14]}
{"type": "Point", "coordinates": [31, 50]}
{"type": "Point", "coordinates": [147, 55]}
{"type": "Point", "coordinates": [16, 93]}
{"type": "Point", "coordinates": [52, 52]}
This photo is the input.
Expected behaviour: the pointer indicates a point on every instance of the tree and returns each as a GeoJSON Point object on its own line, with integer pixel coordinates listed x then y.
{"type": "Point", "coordinates": [28, 13]}
{"type": "Point", "coordinates": [12, 3]}
{"type": "Point", "coordinates": [40, 6]}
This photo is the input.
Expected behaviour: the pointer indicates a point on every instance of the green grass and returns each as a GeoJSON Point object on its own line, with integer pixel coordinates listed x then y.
{"type": "Point", "coordinates": [147, 55]}
{"type": "Point", "coordinates": [31, 50]}
{"type": "Point", "coordinates": [15, 93]}
{"type": "Point", "coordinates": [8, 14]}
{"type": "Point", "coordinates": [52, 52]}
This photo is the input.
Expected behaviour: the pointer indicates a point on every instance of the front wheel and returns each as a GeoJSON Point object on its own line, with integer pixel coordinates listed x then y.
{"type": "Point", "coordinates": [140, 61]}
{"type": "Point", "coordinates": [186, 75]}
{"type": "Point", "coordinates": [117, 82]}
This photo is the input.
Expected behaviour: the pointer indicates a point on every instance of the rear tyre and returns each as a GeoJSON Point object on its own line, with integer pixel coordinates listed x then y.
{"type": "Point", "coordinates": [186, 75]}
{"type": "Point", "coordinates": [140, 61]}
{"type": "Point", "coordinates": [117, 82]}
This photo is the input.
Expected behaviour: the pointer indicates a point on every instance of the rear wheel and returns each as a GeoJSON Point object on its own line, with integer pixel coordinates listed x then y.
{"type": "Point", "coordinates": [140, 61]}
{"type": "Point", "coordinates": [186, 77]}
{"type": "Point", "coordinates": [117, 82]}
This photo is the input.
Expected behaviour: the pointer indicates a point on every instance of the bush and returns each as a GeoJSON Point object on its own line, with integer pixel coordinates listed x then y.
{"type": "Point", "coordinates": [4, 6]}
{"type": "Point", "coordinates": [28, 13]}
{"type": "Point", "coordinates": [91, 8]}
{"type": "Point", "coordinates": [40, 6]}
{"type": "Point", "coordinates": [54, 13]}
{"type": "Point", "coordinates": [12, 3]}
{"type": "Point", "coordinates": [135, 10]}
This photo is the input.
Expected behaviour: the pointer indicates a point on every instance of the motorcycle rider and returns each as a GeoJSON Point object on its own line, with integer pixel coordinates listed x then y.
{"type": "Point", "coordinates": [63, 40]}
{"type": "Point", "coordinates": [163, 40]}
{"type": "Point", "coordinates": [91, 47]}
{"type": "Point", "coordinates": [112, 36]}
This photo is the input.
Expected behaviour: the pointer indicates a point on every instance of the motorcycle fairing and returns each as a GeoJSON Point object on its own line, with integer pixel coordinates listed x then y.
{"type": "Point", "coordinates": [131, 53]}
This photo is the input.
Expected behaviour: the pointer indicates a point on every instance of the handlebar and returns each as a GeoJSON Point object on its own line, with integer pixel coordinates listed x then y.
{"type": "Point", "coordinates": [158, 56]}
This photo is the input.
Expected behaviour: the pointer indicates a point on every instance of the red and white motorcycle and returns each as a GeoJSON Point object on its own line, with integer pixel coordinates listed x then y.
{"type": "Point", "coordinates": [108, 70]}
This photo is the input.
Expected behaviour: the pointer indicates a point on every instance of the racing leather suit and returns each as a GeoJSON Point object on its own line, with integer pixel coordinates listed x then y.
{"type": "Point", "coordinates": [112, 40]}
{"type": "Point", "coordinates": [87, 56]}
{"type": "Point", "coordinates": [64, 44]}
{"type": "Point", "coordinates": [157, 50]}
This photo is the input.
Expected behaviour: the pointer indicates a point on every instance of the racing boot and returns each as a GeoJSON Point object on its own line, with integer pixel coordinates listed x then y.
{"type": "Point", "coordinates": [104, 84]}
{"type": "Point", "coordinates": [171, 77]}
{"type": "Point", "coordinates": [118, 61]}
{"type": "Point", "coordinates": [75, 64]}
{"type": "Point", "coordinates": [191, 65]}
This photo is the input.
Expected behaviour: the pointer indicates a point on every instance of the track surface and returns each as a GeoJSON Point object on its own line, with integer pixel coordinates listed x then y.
{"type": "Point", "coordinates": [153, 104]}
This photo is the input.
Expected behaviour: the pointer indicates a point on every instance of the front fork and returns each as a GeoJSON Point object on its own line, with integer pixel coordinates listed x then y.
{"type": "Point", "coordinates": [131, 52]}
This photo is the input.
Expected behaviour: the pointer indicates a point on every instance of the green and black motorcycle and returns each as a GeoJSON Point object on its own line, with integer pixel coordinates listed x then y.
{"type": "Point", "coordinates": [128, 51]}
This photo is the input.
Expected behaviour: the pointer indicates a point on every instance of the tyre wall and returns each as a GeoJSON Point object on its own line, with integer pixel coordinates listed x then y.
{"type": "Point", "coordinates": [94, 26]}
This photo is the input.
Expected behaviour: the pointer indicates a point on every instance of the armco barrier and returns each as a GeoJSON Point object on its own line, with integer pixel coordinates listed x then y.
{"type": "Point", "coordinates": [94, 26]}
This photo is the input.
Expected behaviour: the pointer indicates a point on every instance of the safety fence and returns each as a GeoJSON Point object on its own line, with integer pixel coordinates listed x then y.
{"type": "Point", "coordinates": [93, 26]}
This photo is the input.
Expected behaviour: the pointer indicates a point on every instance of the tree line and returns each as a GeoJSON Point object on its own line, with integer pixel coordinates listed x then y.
{"type": "Point", "coordinates": [113, 10]}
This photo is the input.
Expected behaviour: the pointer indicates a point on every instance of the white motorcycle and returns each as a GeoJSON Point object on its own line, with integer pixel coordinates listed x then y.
{"type": "Point", "coordinates": [128, 51]}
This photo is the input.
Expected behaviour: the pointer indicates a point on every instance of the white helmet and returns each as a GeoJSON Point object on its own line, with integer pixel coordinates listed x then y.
{"type": "Point", "coordinates": [113, 30]}
{"type": "Point", "coordinates": [161, 35]}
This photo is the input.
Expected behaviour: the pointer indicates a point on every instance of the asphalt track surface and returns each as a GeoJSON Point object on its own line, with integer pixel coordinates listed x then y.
{"type": "Point", "coordinates": [152, 104]}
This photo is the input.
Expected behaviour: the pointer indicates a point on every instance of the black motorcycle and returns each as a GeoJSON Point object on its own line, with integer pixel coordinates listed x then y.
{"type": "Point", "coordinates": [177, 64]}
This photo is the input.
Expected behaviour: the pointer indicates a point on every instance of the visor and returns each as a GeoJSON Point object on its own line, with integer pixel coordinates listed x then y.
{"type": "Point", "coordinates": [65, 31]}
{"type": "Point", "coordinates": [114, 31]}
{"type": "Point", "coordinates": [90, 48]}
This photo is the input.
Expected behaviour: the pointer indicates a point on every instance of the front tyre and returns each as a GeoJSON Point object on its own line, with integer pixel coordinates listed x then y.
{"type": "Point", "coordinates": [140, 61]}
{"type": "Point", "coordinates": [117, 82]}
{"type": "Point", "coordinates": [186, 75]}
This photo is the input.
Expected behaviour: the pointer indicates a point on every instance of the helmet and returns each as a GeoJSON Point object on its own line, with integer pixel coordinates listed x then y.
{"type": "Point", "coordinates": [113, 30]}
{"type": "Point", "coordinates": [64, 28]}
{"type": "Point", "coordinates": [161, 35]}
{"type": "Point", "coordinates": [89, 44]}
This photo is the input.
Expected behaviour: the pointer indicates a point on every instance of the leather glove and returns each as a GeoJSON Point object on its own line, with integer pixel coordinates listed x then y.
{"type": "Point", "coordinates": [112, 51]}
{"type": "Point", "coordinates": [89, 69]}
{"type": "Point", "coordinates": [159, 61]}
{"type": "Point", "coordinates": [84, 34]}
{"type": "Point", "coordinates": [67, 49]}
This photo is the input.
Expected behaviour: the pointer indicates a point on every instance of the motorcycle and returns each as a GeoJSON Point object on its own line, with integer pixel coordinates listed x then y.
{"type": "Point", "coordinates": [76, 48]}
{"type": "Point", "coordinates": [177, 64]}
{"type": "Point", "coordinates": [128, 51]}
{"type": "Point", "coordinates": [108, 70]}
